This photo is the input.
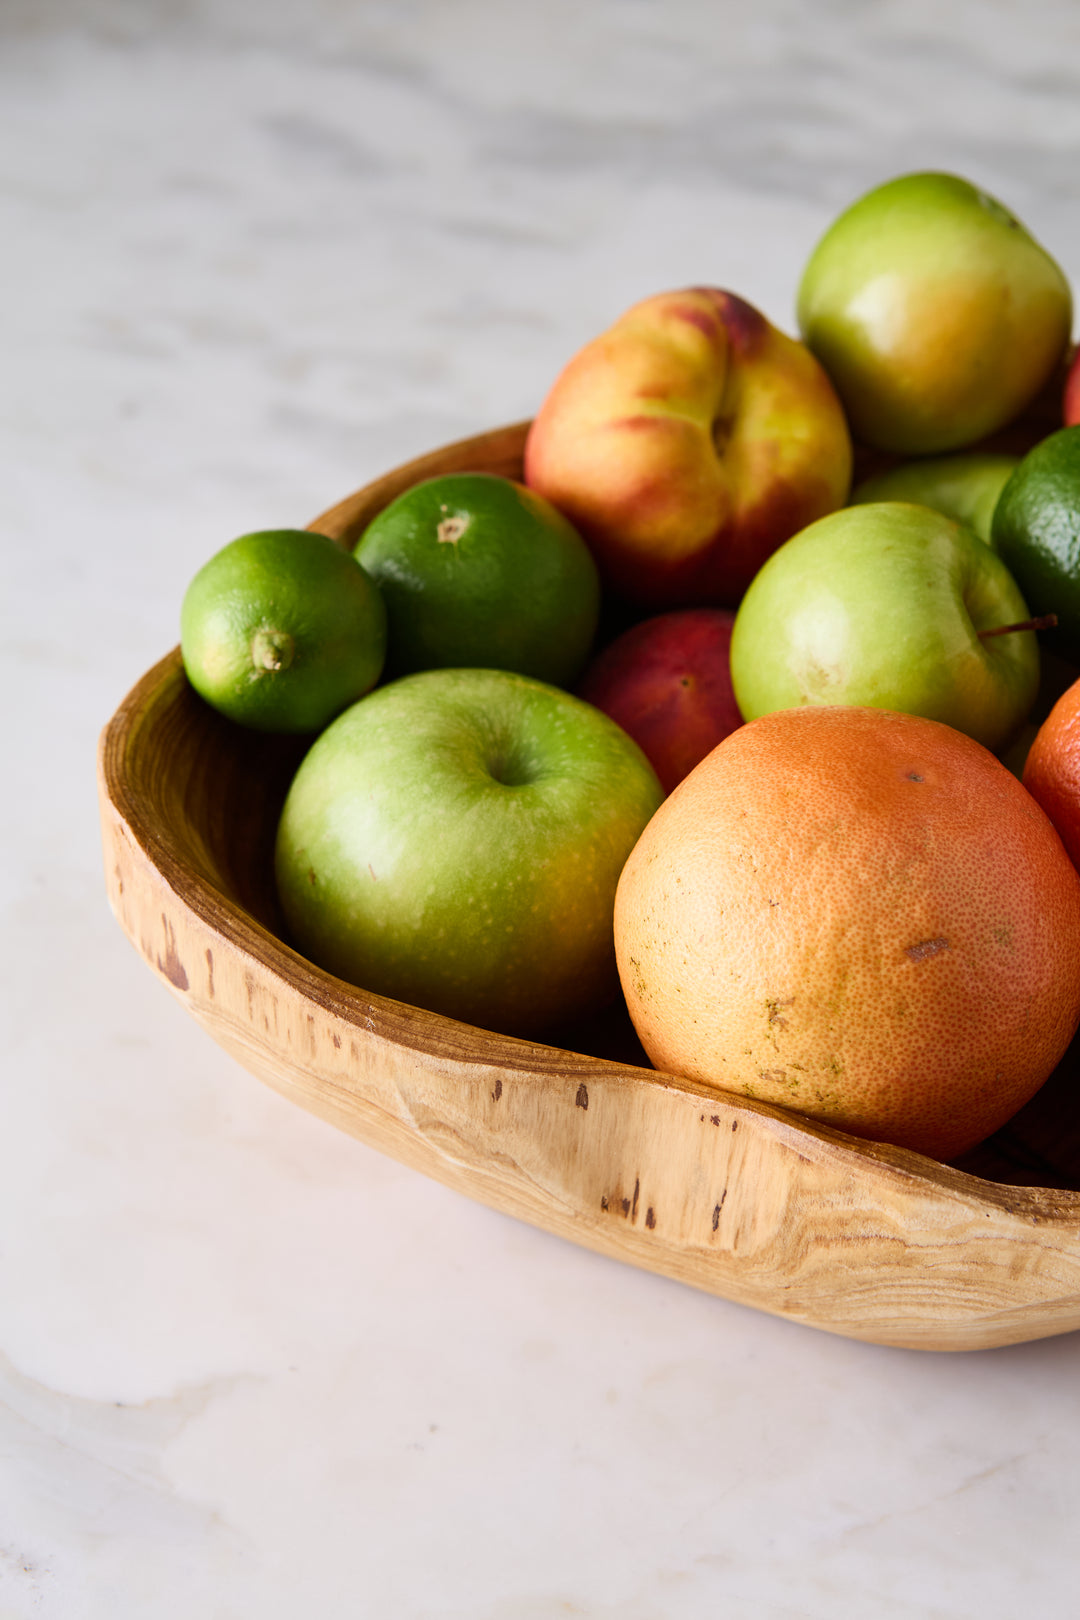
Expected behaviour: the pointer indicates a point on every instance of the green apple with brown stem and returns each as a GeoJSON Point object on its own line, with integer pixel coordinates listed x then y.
{"type": "Point", "coordinates": [893, 606]}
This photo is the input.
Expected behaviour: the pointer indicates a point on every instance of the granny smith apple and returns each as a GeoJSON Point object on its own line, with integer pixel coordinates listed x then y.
{"type": "Point", "coordinates": [883, 606]}
{"type": "Point", "coordinates": [936, 314]}
{"type": "Point", "coordinates": [454, 840]}
{"type": "Point", "coordinates": [964, 487]}
{"type": "Point", "coordinates": [667, 681]}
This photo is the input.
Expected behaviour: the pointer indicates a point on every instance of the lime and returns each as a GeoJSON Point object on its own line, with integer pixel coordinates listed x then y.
{"type": "Point", "coordinates": [478, 572]}
{"type": "Point", "coordinates": [282, 629]}
{"type": "Point", "coordinates": [1037, 533]}
{"type": "Point", "coordinates": [963, 487]}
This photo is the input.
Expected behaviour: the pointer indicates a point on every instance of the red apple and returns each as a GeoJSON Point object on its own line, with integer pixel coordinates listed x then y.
{"type": "Point", "coordinates": [667, 682]}
{"type": "Point", "coordinates": [1071, 402]}
{"type": "Point", "coordinates": [687, 443]}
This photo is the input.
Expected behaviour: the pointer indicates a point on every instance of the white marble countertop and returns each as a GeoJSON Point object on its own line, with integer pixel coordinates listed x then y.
{"type": "Point", "coordinates": [253, 254]}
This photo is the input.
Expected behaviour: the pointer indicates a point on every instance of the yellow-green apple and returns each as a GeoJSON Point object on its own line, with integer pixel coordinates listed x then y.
{"type": "Point", "coordinates": [935, 313]}
{"type": "Point", "coordinates": [888, 606]}
{"type": "Point", "coordinates": [964, 487]}
{"type": "Point", "coordinates": [667, 682]}
{"type": "Point", "coordinates": [454, 840]}
{"type": "Point", "coordinates": [686, 443]}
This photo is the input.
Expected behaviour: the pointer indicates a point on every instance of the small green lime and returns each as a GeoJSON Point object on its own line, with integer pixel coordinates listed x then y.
{"type": "Point", "coordinates": [478, 572]}
{"type": "Point", "coordinates": [1037, 533]}
{"type": "Point", "coordinates": [964, 487]}
{"type": "Point", "coordinates": [282, 629]}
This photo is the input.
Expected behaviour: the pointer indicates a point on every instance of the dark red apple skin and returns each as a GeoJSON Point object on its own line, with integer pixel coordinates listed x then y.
{"type": "Point", "coordinates": [1071, 400]}
{"type": "Point", "coordinates": [667, 682]}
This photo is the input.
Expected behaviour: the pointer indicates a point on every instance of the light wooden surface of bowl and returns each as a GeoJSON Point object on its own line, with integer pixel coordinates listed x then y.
{"type": "Point", "coordinates": [579, 1136]}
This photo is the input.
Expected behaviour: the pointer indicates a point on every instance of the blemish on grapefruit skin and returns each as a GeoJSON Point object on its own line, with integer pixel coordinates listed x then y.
{"type": "Point", "coordinates": [925, 948]}
{"type": "Point", "coordinates": [775, 1010]}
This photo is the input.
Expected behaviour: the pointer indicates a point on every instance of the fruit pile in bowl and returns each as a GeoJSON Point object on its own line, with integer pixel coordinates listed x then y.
{"type": "Point", "coordinates": [704, 697]}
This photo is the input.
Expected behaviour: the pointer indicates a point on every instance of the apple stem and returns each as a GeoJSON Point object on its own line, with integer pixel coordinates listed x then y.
{"type": "Point", "coordinates": [1047, 622]}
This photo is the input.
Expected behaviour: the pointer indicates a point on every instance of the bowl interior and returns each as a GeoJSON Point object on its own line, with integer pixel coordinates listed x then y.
{"type": "Point", "coordinates": [206, 795]}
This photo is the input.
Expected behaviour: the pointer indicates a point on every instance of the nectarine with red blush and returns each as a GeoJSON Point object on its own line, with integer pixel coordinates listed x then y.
{"type": "Point", "coordinates": [667, 682]}
{"type": "Point", "coordinates": [687, 443]}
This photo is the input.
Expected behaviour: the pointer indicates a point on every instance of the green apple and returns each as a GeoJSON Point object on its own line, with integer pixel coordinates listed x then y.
{"type": "Point", "coordinates": [454, 840]}
{"type": "Point", "coordinates": [883, 605]}
{"type": "Point", "coordinates": [964, 487]}
{"type": "Point", "coordinates": [936, 314]}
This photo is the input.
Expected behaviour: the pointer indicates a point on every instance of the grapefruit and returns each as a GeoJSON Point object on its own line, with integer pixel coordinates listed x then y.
{"type": "Point", "coordinates": [860, 915]}
{"type": "Point", "coordinates": [1052, 769]}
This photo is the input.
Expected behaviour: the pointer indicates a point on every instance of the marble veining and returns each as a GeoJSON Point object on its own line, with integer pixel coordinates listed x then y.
{"type": "Point", "coordinates": [255, 254]}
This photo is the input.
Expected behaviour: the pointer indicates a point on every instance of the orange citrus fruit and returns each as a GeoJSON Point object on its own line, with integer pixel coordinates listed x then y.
{"type": "Point", "coordinates": [860, 915]}
{"type": "Point", "coordinates": [1052, 769]}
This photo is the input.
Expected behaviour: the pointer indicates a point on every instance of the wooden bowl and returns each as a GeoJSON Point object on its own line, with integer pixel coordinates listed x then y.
{"type": "Point", "coordinates": [580, 1137]}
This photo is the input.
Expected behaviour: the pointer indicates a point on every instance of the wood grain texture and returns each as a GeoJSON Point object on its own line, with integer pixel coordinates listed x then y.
{"type": "Point", "coordinates": [739, 1199]}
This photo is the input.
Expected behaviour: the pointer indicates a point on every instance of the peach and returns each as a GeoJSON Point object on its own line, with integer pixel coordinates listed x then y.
{"type": "Point", "coordinates": [687, 443]}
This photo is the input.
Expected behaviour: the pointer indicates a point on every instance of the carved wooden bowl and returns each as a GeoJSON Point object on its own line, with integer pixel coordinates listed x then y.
{"type": "Point", "coordinates": [581, 1136]}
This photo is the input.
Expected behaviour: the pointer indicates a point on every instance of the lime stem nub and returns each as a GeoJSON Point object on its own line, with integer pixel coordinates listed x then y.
{"type": "Point", "coordinates": [272, 650]}
{"type": "Point", "coordinates": [451, 529]}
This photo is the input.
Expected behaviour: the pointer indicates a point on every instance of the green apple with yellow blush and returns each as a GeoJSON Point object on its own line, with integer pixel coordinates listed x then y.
{"type": "Point", "coordinates": [965, 487]}
{"type": "Point", "coordinates": [937, 315]}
